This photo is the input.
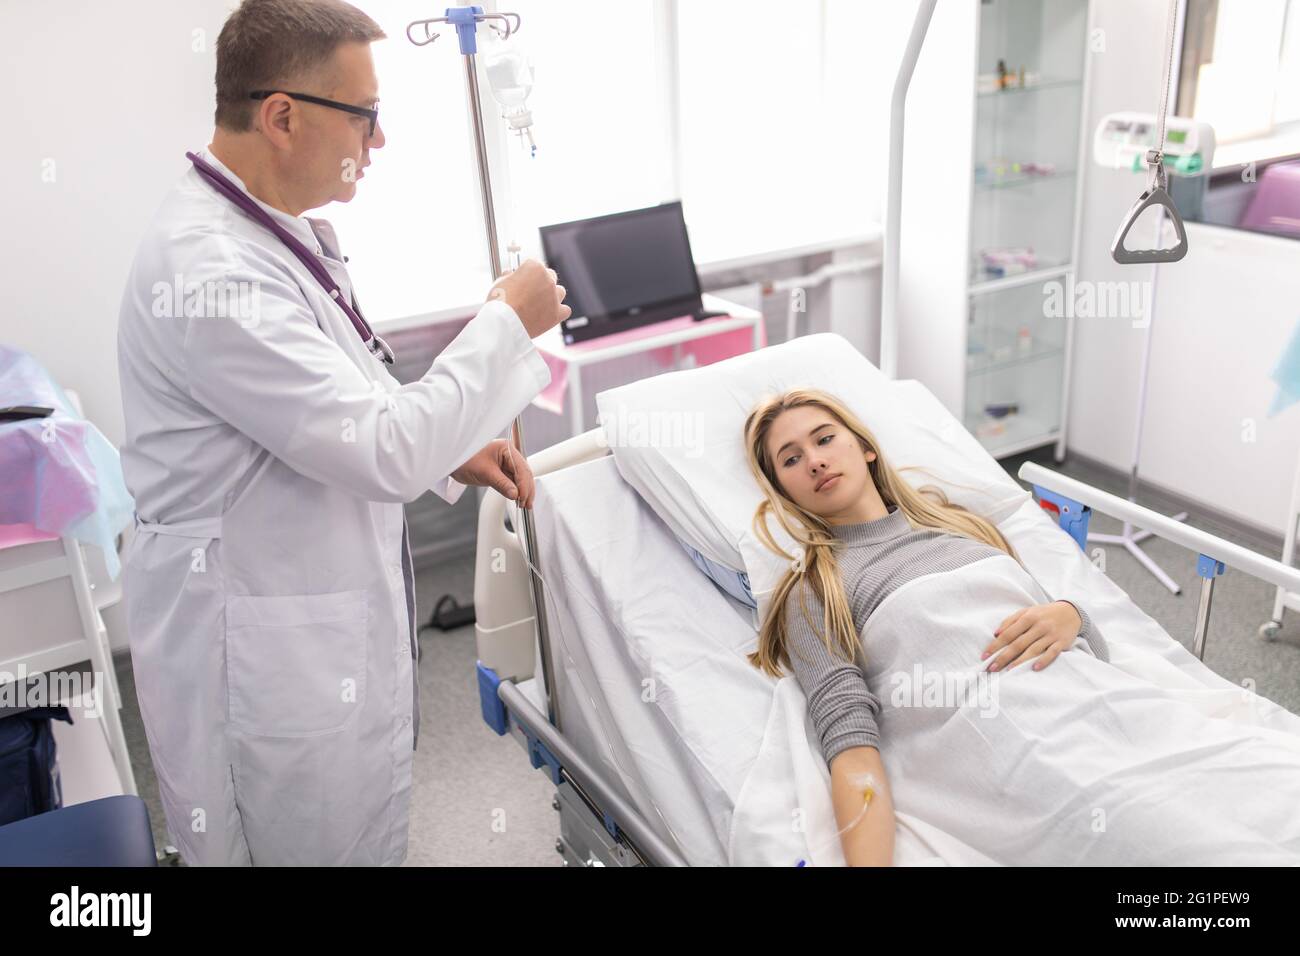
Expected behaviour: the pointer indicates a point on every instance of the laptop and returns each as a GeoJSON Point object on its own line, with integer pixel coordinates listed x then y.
{"type": "Point", "coordinates": [624, 270]}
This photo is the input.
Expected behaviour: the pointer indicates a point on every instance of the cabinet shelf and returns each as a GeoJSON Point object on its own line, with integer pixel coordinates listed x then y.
{"type": "Point", "coordinates": [1059, 83]}
{"type": "Point", "coordinates": [1025, 179]}
{"type": "Point", "coordinates": [980, 363]}
{"type": "Point", "coordinates": [1021, 432]}
{"type": "Point", "coordinates": [959, 324]}
{"type": "Point", "coordinates": [983, 286]}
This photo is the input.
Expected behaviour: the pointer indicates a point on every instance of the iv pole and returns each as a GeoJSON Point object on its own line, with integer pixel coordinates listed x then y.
{"type": "Point", "coordinates": [1156, 195]}
{"type": "Point", "coordinates": [466, 20]}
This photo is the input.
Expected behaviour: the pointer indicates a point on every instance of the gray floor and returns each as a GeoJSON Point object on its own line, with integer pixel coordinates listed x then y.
{"type": "Point", "coordinates": [477, 802]}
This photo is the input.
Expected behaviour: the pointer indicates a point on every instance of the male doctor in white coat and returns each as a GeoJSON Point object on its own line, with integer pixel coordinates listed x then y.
{"type": "Point", "coordinates": [269, 589]}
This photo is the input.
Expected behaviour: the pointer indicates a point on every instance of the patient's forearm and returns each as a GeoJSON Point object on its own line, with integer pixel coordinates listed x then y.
{"type": "Point", "coordinates": [869, 842]}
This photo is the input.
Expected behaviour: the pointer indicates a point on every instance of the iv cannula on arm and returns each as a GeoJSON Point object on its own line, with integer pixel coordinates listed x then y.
{"type": "Point", "coordinates": [864, 809]}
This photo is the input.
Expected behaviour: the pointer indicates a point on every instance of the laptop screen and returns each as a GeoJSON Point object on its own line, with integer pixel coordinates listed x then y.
{"type": "Point", "coordinates": [626, 269]}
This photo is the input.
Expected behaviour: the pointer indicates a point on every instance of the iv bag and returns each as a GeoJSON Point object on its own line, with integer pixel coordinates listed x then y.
{"type": "Point", "coordinates": [510, 77]}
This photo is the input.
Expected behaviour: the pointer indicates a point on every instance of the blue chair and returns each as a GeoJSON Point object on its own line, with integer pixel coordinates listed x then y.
{"type": "Point", "coordinates": [113, 831]}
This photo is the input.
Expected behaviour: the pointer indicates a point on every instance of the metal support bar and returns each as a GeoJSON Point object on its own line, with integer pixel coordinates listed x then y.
{"type": "Point", "coordinates": [465, 20]}
{"type": "Point", "coordinates": [645, 841]}
{"type": "Point", "coordinates": [1194, 539]}
{"type": "Point", "coordinates": [1208, 569]}
{"type": "Point", "coordinates": [1214, 554]}
{"type": "Point", "coordinates": [894, 191]}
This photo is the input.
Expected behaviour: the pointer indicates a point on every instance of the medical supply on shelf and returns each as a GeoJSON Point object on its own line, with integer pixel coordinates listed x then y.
{"type": "Point", "coordinates": [1002, 170]}
{"type": "Point", "coordinates": [991, 427]}
{"type": "Point", "coordinates": [1001, 409]}
{"type": "Point", "coordinates": [1005, 79]}
{"type": "Point", "coordinates": [1012, 261]}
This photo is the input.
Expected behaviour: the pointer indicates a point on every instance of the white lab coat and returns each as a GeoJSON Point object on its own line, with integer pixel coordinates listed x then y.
{"type": "Point", "coordinates": [268, 589]}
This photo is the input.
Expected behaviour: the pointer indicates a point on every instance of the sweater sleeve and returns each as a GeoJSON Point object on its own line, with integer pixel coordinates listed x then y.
{"type": "Point", "coordinates": [843, 710]}
{"type": "Point", "coordinates": [1091, 634]}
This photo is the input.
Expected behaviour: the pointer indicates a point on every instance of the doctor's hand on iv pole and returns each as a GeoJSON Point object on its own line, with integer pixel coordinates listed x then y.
{"type": "Point", "coordinates": [1043, 630]}
{"type": "Point", "coordinates": [501, 467]}
{"type": "Point", "coordinates": [531, 290]}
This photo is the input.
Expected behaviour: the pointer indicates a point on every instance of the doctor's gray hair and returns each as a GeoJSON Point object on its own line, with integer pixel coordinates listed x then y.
{"type": "Point", "coordinates": [268, 44]}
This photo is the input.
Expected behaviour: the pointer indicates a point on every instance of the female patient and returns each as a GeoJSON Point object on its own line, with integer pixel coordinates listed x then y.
{"type": "Point", "coordinates": [865, 534]}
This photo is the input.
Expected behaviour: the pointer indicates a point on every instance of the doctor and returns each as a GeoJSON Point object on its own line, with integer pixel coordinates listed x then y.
{"type": "Point", "coordinates": [269, 588]}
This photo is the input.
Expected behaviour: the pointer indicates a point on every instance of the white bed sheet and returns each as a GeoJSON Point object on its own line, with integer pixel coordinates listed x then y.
{"type": "Point", "coordinates": [654, 685]}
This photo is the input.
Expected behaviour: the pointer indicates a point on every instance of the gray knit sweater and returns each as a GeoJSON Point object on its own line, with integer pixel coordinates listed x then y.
{"type": "Point", "coordinates": [875, 558]}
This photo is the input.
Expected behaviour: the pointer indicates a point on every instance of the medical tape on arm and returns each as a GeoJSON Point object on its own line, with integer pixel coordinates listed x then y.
{"type": "Point", "coordinates": [859, 781]}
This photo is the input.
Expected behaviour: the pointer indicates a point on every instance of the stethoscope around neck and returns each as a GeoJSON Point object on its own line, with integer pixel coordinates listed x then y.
{"type": "Point", "coordinates": [377, 346]}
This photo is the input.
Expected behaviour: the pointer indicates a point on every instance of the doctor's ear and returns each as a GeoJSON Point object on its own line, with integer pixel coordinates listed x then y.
{"type": "Point", "coordinates": [274, 117]}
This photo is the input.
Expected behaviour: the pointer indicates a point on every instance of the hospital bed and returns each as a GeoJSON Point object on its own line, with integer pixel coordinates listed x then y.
{"type": "Point", "coordinates": [665, 745]}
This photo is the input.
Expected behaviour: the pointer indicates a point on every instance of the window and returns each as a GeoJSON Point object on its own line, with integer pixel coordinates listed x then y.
{"type": "Point", "coordinates": [600, 114]}
{"type": "Point", "coordinates": [784, 119]}
{"type": "Point", "coordinates": [414, 232]}
{"type": "Point", "coordinates": [1240, 72]}
{"type": "Point", "coordinates": [769, 120]}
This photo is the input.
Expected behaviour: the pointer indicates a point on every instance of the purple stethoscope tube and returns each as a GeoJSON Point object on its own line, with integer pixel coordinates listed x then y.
{"type": "Point", "coordinates": [242, 201]}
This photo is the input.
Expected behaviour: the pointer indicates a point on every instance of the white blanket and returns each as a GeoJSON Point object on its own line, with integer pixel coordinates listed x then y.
{"type": "Point", "coordinates": [1082, 763]}
{"type": "Point", "coordinates": [722, 756]}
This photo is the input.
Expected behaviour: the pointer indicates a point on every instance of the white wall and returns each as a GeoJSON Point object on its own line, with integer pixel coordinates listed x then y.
{"type": "Point", "coordinates": [112, 93]}
{"type": "Point", "coordinates": [1223, 315]}
{"type": "Point", "coordinates": [108, 98]}
{"type": "Point", "coordinates": [114, 100]}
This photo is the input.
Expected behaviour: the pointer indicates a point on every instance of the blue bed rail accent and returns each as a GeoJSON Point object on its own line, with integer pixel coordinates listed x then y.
{"type": "Point", "coordinates": [570, 768]}
{"type": "Point", "coordinates": [540, 757]}
{"type": "Point", "coordinates": [1071, 515]}
{"type": "Point", "coordinates": [494, 712]}
{"type": "Point", "coordinates": [1207, 567]}
{"type": "Point", "coordinates": [496, 716]}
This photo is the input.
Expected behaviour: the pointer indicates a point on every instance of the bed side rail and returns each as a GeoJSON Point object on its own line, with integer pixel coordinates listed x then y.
{"type": "Point", "coordinates": [1072, 502]}
{"type": "Point", "coordinates": [506, 708]}
{"type": "Point", "coordinates": [505, 633]}
{"type": "Point", "coordinates": [504, 628]}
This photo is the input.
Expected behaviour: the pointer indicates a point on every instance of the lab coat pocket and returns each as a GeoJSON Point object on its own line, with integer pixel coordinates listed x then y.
{"type": "Point", "coordinates": [296, 663]}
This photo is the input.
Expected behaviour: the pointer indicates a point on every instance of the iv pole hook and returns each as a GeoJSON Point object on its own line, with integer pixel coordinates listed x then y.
{"type": "Point", "coordinates": [1157, 192]}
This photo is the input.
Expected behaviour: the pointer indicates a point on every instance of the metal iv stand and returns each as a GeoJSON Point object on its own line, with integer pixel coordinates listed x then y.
{"type": "Point", "coordinates": [466, 20]}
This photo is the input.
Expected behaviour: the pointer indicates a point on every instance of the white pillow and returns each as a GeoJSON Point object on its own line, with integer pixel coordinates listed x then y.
{"type": "Point", "coordinates": [678, 440]}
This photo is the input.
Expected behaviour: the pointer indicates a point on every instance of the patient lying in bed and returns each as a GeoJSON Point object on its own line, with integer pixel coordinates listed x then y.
{"type": "Point", "coordinates": [925, 648]}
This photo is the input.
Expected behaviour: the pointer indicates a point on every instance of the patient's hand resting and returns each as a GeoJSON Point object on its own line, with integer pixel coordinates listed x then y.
{"type": "Point", "coordinates": [1042, 631]}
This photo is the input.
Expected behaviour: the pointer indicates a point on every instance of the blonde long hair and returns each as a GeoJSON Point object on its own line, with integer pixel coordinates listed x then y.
{"type": "Point", "coordinates": [926, 507]}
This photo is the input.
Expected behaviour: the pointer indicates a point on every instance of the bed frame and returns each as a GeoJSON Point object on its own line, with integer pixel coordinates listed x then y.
{"type": "Point", "coordinates": [598, 827]}
{"type": "Point", "coordinates": [517, 687]}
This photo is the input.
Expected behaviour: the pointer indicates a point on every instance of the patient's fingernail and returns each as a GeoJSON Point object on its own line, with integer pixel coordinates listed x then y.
{"type": "Point", "coordinates": [984, 655]}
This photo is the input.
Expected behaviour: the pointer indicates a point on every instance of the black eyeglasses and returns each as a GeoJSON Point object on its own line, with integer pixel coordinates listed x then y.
{"type": "Point", "coordinates": [370, 114]}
